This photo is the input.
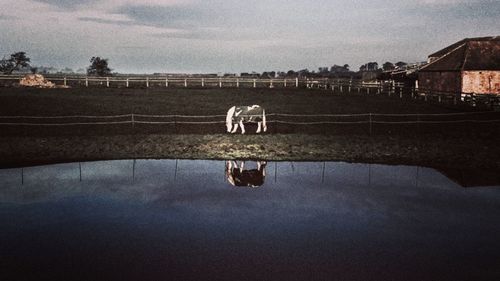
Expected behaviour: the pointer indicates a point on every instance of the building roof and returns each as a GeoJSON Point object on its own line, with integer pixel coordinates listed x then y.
{"type": "Point", "coordinates": [468, 54]}
{"type": "Point", "coordinates": [446, 50]}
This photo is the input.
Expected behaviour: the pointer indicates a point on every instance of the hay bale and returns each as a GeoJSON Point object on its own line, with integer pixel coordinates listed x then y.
{"type": "Point", "coordinates": [36, 80]}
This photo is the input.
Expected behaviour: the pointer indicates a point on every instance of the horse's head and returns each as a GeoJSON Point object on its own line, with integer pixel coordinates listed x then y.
{"type": "Point", "coordinates": [229, 119]}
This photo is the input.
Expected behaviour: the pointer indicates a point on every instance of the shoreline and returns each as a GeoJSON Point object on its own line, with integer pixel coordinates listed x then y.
{"type": "Point", "coordinates": [435, 152]}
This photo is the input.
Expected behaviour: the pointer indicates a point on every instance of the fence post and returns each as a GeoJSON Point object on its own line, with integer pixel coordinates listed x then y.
{"type": "Point", "coordinates": [147, 82]}
{"type": "Point", "coordinates": [107, 82]}
{"type": "Point", "coordinates": [175, 124]}
{"type": "Point", "coordinates": [254, 83]}
{"type": "Point", "coordinates": [370, 124]}
{"type": "Point", "coordinates": [86, 81]}
{"type": "Point", "coordinates": [284, 84]}
{"type": "Point", "coordinates": [297, 82]}
{"type": "Point", "coordinates": [237, 82]}
{"type": "Point", "coordinates": [166, 82]}
{"type": "Point", "coordinates": [133, 121]}
{"type": "Point", "coordinates": [185, 82]}
{"type": "Point", "coordinates": [127, 82]}
{"type": "Point", "coordinates": [220, 82]}
{"type": "Point", "coordinates": [202, 82]}
{"type": "Point", "coordinates": [271, 84]}
{"type": "Point", "coordinates": [65, 84]}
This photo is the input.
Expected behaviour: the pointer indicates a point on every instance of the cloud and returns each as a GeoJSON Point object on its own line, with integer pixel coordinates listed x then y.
{"type": "Point", "coordinates": [175, 16]}
{"type": "Point", "coordinates": [107, 21]}
{"type": "Point", "coordinates": [8, 17]}
{"type": "Point", "coordinates": [67, 4]}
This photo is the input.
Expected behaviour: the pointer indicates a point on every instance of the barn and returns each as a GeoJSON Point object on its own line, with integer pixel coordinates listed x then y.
{"type": "Point", "coordinates": [470, 66]}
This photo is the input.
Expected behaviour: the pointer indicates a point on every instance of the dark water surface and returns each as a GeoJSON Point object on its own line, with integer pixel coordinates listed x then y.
{"type": "Point", "coordinates": [183, 220]}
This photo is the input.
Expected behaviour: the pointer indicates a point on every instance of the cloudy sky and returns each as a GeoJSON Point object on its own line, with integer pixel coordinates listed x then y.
{"type": "Point", "coordinates": [145, 36]}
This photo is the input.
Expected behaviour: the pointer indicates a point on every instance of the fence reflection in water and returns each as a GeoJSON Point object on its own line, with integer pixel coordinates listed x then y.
{"type": "Point", "coordinates": [148, 179]}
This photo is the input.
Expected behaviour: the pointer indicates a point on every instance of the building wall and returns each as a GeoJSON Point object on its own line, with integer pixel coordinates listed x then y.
{"type": "Point", "coordinates": [483, 82]}
{"type": "Point", "coordinates": [440, 82]}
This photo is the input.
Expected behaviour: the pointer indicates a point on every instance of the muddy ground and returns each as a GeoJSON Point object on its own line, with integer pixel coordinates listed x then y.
{"type": "Point", "coordinates": [471, 145]}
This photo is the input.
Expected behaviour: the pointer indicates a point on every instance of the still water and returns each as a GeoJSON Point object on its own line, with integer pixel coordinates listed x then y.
{"type": "Point", "coordinates": [217, 220]}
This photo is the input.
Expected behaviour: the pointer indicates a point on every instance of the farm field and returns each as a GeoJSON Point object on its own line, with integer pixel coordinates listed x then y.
{"type": "Point", "coordinates": [352, 138]}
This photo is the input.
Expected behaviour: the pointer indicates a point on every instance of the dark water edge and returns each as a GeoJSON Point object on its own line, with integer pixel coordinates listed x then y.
{"type": "Point", "coordinates": [435, 151]}
{"type": "Point", "coordinates": [183, 220]}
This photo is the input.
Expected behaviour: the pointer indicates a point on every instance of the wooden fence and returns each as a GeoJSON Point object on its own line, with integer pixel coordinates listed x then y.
{"type": "Point", "coordinates": [337, 86]}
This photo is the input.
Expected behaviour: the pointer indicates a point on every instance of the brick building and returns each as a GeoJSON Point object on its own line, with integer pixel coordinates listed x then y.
{"type": "Point", "coordinates": [471, 65]}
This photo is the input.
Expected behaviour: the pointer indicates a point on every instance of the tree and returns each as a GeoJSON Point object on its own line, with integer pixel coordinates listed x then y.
{"type": "Point", "coordinates": [400, 64]}
{"type": "Point", "coordinates": [388, 66]}
{"type": "Point", "coordinates": [339, 69]}
{"type": "Point", "coordinates": [371, 66]}
{"type": "Point", "coordinates": [16, 60]}
{"type": "Point", "coordinates": [6, 66]}
{"type": "Point", "coordinates": [323, 70]}
{"type": "Point", "coordinates": [98, 67]}
{"type": "Point", "coordinates": [67, 70]}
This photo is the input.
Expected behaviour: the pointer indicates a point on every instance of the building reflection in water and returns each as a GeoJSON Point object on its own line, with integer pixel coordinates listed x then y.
{"type": "Point", "coordinates": [239, 175]}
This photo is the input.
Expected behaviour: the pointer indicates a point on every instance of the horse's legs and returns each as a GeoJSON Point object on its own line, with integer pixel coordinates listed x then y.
{"type": "Point", "coordinates": [235, 127]}
{"type": "Point", "coordinates": [242, 127]}
{"type": "Point", "coordinates": [258, 127]}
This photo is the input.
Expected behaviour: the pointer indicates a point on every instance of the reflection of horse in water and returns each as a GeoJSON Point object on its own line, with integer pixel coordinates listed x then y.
{"type": "Point", "coordinates": [238, 176]}
{"type": "Point", "coordinates": [237, 115]}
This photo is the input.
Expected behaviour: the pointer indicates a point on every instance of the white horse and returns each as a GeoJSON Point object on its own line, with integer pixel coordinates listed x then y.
{"type": "Point", "coordinates": [237, 115]}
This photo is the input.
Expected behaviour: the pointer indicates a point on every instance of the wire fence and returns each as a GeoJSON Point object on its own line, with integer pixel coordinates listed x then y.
{"type": "Point", "coordinates": [278, 118]}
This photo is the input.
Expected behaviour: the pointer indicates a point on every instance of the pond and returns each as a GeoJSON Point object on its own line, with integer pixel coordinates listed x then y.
{"type": "Point", "coordinates": [219, 220]}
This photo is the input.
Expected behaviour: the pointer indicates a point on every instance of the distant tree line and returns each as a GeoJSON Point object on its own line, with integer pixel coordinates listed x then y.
{"type": "Point", "coordinates": [335, 71]}
{"type": "Point", "coordinates": [99, 67]}
{"type": "Point", "coordinates": [19, 61]}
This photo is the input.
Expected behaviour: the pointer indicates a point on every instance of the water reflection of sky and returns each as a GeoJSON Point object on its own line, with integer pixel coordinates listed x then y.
{"type": "Point", "coordinates": [309, 219]}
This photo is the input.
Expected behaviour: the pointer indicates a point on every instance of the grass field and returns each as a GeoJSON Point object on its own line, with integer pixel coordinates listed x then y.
{"type": "Point", "coordinates": [450, 144]}
{"type": "Point", "coordinates": [98, 101]}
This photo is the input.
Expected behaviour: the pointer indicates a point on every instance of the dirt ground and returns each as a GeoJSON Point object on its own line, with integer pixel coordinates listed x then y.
{"type": "Point", "coordinates": [472, 145]}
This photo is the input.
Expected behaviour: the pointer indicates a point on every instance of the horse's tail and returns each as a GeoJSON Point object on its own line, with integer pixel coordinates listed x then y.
{"type": "Point", "coordinates": [229, 118]}
{"type": "Point", "coordinates": [264, 124]}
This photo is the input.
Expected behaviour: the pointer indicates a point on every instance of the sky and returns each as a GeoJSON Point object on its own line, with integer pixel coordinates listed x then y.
{"type": "Point", "coordinates": [216, 36]}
